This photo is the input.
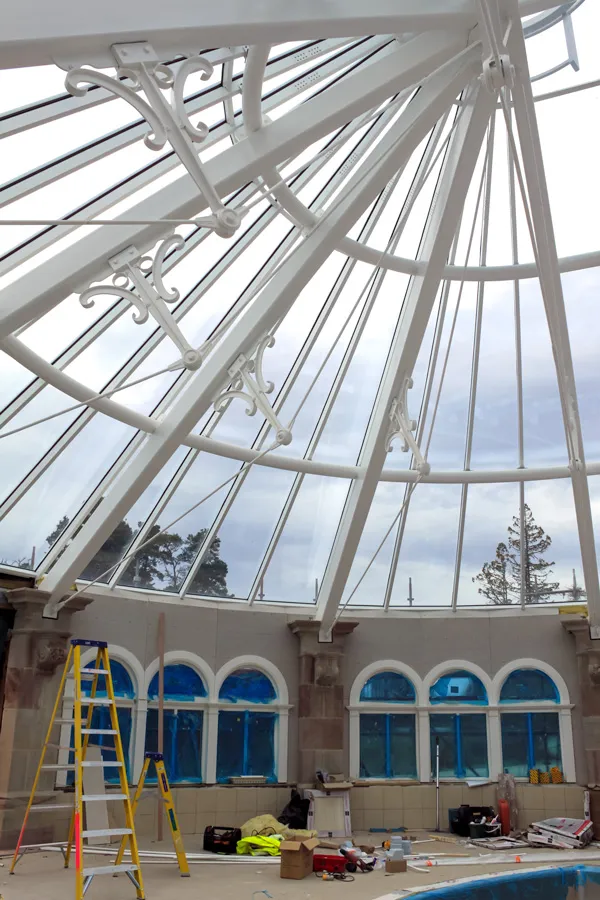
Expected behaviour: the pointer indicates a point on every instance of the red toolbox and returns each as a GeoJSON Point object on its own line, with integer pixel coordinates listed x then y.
{"type": "Point", "coordinates": [324, 862]}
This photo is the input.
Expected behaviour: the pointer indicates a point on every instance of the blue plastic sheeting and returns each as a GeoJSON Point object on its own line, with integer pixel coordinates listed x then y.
{"type": "Point", "coordinates": [463, 744]}
{"type": "Point", "coordinates": [246, 744]}
{"type": "Point", "coordinates": [182, 743]}
{"type": "Point", "coordinates": [101, 719]}
{"type": "Point", "coordinates": [542, 884]}
{"type": "Point", "coordinates": [458, 687]}
{"type": "Point", "coordinates": [249, 686]}
{"type": "Point", "coordinates": [122, 683]}
{"type": "Point", "coordinates": [181, 683]}
{"type": "Point", "coordinates": [530, 741]}
{"type": "Point", "coordinates": [525, 685]}
{"type": "Point", "coordinates": [388, 687]}
{"type": "Point", "coordinates": [388, 746]}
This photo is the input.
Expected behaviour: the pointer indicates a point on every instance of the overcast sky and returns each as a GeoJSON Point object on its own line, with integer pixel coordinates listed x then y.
{"type": "Point", "coordinates": [569, 131]}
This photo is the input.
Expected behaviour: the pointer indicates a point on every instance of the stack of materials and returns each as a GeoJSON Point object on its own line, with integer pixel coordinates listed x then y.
{"type": "Point", "coordinates": [568, 834]}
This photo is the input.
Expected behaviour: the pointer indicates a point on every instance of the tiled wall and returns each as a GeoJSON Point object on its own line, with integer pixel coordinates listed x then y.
{"type": "Point", "coordinates": [372, 806]}
{"type": "Point", "coordinates": [380, 806]}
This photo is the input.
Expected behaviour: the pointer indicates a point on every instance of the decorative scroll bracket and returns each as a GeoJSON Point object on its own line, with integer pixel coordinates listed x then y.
{"type": "Point", "coordinates": [138, 279]}
{"type": "Point", "coordinates": [249, 385]}
{"type": "Point", "coordinates": [166, 116]}
{"type": "Point", "coordinates": [403, 426]}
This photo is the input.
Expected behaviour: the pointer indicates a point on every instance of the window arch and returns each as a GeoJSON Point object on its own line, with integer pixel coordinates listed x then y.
{"type": "Point", "coordinates": [530, 734]}
{"type": "Point", "coordinates": [250, 734]}
{"type": "Point", "coordinates": [185, 697]}
{"type": "Point", "coordinates": [460, 731]}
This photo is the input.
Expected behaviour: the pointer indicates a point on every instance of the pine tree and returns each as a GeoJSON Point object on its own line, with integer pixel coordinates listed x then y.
{"type": "Point", "coordinates": [58, 530]}
{"type": "Point", "coordinates": [537, 569]}
{"type": "Point", "coordinates": [500, 580]}
{"type": "Point", "coordinates": [495, 578]}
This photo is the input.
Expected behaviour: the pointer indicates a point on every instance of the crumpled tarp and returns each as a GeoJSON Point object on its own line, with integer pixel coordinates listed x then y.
{"type": "Point", "coordinates": [259, 845]}
{"type": "Point", "coordinates": [267, 825]}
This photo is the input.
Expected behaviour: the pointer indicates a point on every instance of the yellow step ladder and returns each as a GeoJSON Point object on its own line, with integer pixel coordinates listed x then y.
{"type": "Point", "coordinates": [81, 732]}
{"type": "Point", "coordinates": [167, 797]}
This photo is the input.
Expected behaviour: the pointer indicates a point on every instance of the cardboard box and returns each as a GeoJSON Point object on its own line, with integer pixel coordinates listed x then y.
{"type": "Point", "coordinates": [392, 866]}
{"type": "Point", "coordinates": [297, 858]}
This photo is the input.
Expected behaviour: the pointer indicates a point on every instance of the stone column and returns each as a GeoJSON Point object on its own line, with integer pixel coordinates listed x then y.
{"type": "Point", "coordinates": [37, 651]}
{"type": "Point", "coordinates": [321, 699]}
{"type": "Point", "coordinates": [588, 663]}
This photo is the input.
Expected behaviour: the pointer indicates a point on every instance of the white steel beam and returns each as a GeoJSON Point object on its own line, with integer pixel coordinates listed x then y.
{"type": "Point", "coordinates": [445, 213]}
{"type": "Point", "coordinates": [40, 290]}
{"type": "Point", "coordinates": [552, 294]}
{"type": "Point", "coordinates": [37, 34]}
{"type": "Point", "coordinates": [396, 146]}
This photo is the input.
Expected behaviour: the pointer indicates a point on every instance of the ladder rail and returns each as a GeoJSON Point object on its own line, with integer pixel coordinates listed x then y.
{"type": "Point", "coordinates": [36, 779]}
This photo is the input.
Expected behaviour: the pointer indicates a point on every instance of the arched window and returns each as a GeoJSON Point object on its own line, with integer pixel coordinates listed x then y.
{"type": "Point", "coordinates": [462, 736]}
{"type": "Point", "coordinates": [125, 703]}
{"type": "Point", "coordinates": [388, 744]}
{"type": "Point", "coordinates": [246, 733]}
{"type": "Point", "coordinates": [183, 722]}
{"type": "Point", "coordinates": [530, 737]}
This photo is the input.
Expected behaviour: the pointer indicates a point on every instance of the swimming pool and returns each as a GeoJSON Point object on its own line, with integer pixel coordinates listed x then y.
{"type": "Point", "coordinates": [553, 883]}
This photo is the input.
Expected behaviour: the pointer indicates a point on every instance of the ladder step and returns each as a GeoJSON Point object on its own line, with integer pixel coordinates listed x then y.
{"type": "Point", "coordinates": [88, 673]}
{"type": "Point", "coordinates": [90, 798]}
{"type": "Point", "coordinates": [106, 832]}
{"type": "Point", "coordinates": [59, 746]}
{"type": "Point", "coordinates": [110, 870]}
{"type": "Point", "coordinates": [96, 701]}
{"type": "Point", "coordinates": [42, 807]}
{"type": "Point", "coordinates": [59, 767]}
{"type": "Point", "coordinates": [91, 765]}
{"type": "Point", "coordinates": [98, 731]}
{"type": "Point", "coordinates": [63, 722]}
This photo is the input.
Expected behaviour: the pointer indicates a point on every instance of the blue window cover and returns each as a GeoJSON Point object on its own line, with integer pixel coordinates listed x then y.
{"type": "Point", "coordinates": [182, 743]}
{"type": "Point", "coordinates": [458, 687]}
{"type": "Point", "coordinates": [249, 686]}
{"type": "Point", "coordinates": [530, 741]}
{"type": "Point", "coordinates": [122, 683]}
{"type": "Point", "coordinates": [181, 683]}
{"type": "Point", "coordinates": [526, 685]}
{"type": "Point", "coordinates": [246, 744]}
{"type": "Point", "coordinates": [463, 744]}
{"type": "Point", "coordinates": [388, 687]}
{"type": "Point", "coordinates": [388, 745]}
{"type": "Point", "coordinates": [101, 719]}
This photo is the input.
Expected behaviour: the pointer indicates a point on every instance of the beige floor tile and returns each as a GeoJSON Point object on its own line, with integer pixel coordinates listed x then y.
{"type": "Point", "coordinates": [185, 801]}
{"type": "Point", "coordinates": [533, 796]}
{"type": "Point", "coordinates": [413, 818]}
{"type": "Point", "coordinates": [187, 823]}
{"type": "Point", "coordinates": [226, 800]}
{"type": "Point", "coordinates": [413, 797]}
{"type": "Point", "coordinates": [373, 797]}
{"type": "Point", "coordinates": [392, 797]}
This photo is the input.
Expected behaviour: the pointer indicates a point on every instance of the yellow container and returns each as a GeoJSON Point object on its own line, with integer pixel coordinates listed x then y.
{"type": "Point", "coordinates": [544, 777]}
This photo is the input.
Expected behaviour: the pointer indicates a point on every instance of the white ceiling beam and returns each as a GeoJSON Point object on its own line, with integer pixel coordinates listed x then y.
{"type": "Point", "coordinates": [36, 33]}
{"type": "Point", "coordinates": [49, 283]}
{"type": "Point", "coordinates": [554, 303]}
{"type": "Point", "coordinates": [444, 216]}
{"type": "Point", "coordinates": [276, 299]}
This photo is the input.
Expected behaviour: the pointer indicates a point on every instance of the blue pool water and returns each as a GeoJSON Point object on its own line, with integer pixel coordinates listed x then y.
{"type": "Point", "coordinates": [556, 883]}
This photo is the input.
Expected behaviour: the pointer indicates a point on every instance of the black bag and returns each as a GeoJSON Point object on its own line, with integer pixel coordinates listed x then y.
{"type": "Point", "coordinates": [295, 814]}
{"type": "Point", "coordinates": [219, 839]}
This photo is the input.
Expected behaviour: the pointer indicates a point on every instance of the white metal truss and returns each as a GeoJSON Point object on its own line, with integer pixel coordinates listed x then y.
{"type": "Point", "coordinates": [400, 141]}
{"type": "Point", "coordinates": [443, 218]}
{"type": "Point", "coordinates": [552, 294]}
{"type": "Point", "coordinates": [40, 290]}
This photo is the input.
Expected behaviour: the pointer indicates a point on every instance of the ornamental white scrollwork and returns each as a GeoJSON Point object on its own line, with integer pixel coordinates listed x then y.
{"type": "Point", "coordinates": [401, 425]}
{"type": "Point", "coordinates": [139, 69]}
{"type": "Point", "coordinates": [138, 280]}
{"type": "Point", "coordinates": [249, 385]}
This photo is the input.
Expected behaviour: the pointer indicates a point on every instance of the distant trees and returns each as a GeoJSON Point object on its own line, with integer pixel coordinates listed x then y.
{"type": "Point", "coordinates": [500, 580]}
{"type": "Point", "coordinates": [164, 562]}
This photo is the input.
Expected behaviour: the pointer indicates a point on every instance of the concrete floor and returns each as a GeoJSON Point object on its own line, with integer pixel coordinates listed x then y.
{"type": "Point", "coordinates": [42, 876]}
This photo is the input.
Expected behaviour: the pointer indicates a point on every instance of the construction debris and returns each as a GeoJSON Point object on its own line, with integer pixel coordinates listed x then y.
{"type": "Point", "coordinates": [568, 834]}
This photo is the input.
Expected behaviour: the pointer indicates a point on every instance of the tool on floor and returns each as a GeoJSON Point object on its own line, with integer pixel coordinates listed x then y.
{"type": "Point", "coordinates": [437, 784]}
{"type": "Point", "coordinates": [167, 798]}
{"type": "Point", "coordinates": [356, 861]}
{"type": "Point", "coordinates": [81, 730]}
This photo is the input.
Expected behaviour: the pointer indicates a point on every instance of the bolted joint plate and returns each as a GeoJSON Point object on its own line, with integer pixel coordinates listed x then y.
{"type": "Point", "coordinates": [134, 54]}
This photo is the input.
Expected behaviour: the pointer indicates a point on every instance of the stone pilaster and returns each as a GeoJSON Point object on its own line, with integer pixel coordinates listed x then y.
{"type": "Point", "coordinates": [36, 653]}
{"type": "Point", "coordinates": [321, 699]}
{"type": "Point", "coordinates": [588, 663]}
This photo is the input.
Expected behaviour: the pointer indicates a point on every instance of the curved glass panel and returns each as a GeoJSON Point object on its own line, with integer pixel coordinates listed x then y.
{"type": "Point", "coordinates": [388, 687]}
{"type": "Point", "coordinates": [458, 687]}
{"type": "Point", "coordinates": [181, 683]}
{"type": "Point", "coordinates": [527, 685]}
{"type": "Point", "coordinates": [248, 686]}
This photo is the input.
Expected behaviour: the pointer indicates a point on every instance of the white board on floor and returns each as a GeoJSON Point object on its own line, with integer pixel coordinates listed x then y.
{"type": "Point", "coordinates": [96, 813]}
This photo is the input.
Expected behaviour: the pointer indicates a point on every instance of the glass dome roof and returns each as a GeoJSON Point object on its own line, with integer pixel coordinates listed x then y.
{"type": "Point", "coordinates": [283, 263]}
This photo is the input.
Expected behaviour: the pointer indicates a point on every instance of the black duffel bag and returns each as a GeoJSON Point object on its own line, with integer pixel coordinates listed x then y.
{"type": "Point", "coordinates": [219, 839]}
